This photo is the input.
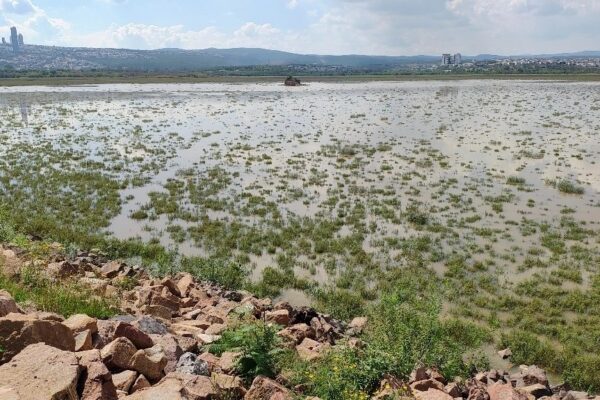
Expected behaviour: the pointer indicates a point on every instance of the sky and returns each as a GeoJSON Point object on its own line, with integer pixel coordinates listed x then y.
{"type": "Point", "coordinates": [376, 27]}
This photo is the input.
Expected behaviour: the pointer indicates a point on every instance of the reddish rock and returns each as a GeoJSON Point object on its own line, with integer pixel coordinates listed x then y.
{"type": "Point", "coordinates": [228, 361]}
{"type": "Point", "coordinates": [83, 341]}
{"type": "Point", "coordinates": [41, 372]}
{"type": "Point", "coordinates": [18, 331]}
{"type": "Point", "coordinates": [357, 325]}
{"type": "Point", "coordinates": [310, 350]}
{"type": "Point", "coordinates": [267, 389]}
{"type": "Point", "coordinates": [118, 354]}
{"type": "Point", "coordinates": [297, 333]}
{"type": "Point", "coordinates": [150, 362]}
{"type": "Point", "coordinates": [124, 380]}
{"type": "Point", "coordinates": [228, 385]}
{"type": "Point", "coordinates": [111, 269]}
{"type": "Point", "coordinates": [425, 385]}
{"type": "Point", "coordinates": [140, 383]}
{"type": "Point", "coordinates": [139, 339]}
{"type": "Point", "coordinates": [185, 284]}
{"type": "Point", "coordinates": [7, 304]}
{"type": "Point", "coordinates": [503, 391]}
{"type": "Point", "coordinates": [279, 317]}
{"type": "Point", "coordinates": [171, 349]}
{"type": "Point", "coordinates": [95, 378]}
{"type": "Point", "coordinates": [432, 394]}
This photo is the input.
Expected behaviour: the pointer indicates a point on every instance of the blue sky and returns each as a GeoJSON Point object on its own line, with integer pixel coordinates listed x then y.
{"type": "Point", "coordinates": [392, 27]}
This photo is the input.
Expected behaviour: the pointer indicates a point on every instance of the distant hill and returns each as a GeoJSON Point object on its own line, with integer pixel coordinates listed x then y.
{"type": "Point", "coordinates": [169, 60]}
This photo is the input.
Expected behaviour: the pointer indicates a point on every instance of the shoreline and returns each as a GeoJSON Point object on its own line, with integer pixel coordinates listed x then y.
{"type": "Point", "coordinates": [90, 80]}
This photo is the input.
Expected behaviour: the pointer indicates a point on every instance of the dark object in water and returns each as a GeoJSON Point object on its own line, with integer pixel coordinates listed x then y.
{"type": "Point", "coordinates": [291, 81]}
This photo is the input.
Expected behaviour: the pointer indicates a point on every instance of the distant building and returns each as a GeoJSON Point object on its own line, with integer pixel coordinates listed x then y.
{"type": "Point", "coordinates": [449, 59]}
{"type": "Point", "coordinates": [20, 38]}
{"type": "Point", "coordinates": [14, 39]}
{"type": "Point", "coordinates": [457, 59]}
{"type": "Point", "coordinates": [4, 42]}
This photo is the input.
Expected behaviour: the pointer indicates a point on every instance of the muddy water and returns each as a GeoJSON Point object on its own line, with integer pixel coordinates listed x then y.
{"type": "Point", "coordinates": [457, 142]}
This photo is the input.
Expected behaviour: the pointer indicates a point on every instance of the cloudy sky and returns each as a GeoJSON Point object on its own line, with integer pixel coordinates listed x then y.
{"type": "Point", "coordinates": [387, 27]}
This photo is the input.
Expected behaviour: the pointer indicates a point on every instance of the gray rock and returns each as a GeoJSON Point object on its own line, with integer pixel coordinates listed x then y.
{"type": "Point", "coordinates": [189, 363]}
{"type": "Point", "coordinates": [151, 326]}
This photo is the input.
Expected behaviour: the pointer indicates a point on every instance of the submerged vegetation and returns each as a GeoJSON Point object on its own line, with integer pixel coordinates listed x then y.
{"type": "Point", "coordinates": [391, 200]}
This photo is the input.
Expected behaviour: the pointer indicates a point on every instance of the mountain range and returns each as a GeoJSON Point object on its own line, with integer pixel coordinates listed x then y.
{"type": "Point", "coordinates": [52, 57]}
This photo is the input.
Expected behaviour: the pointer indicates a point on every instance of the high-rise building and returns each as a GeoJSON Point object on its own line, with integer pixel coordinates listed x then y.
{"type": "Point", "coordinates": [14, 39]}
{"type": "Point", "coordinates": [457, 59]}
{"type": "Point", "coordinates": [446, 59]}
{"type": "Point", "coordinates": [4, 42]}
{"type": "Point", "coordinates": [20, 37]}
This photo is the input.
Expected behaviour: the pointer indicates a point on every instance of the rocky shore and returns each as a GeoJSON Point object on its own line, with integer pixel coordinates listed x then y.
{"type": "Point", "coordinates": [157, 346]}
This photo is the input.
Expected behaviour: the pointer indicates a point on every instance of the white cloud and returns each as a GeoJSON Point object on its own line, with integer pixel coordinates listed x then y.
{"type": "Point", "coordinates": [17, 6]}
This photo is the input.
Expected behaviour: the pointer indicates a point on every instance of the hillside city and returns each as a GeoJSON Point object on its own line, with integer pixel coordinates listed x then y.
{"type": "Point", "coordinates": [15, 55]}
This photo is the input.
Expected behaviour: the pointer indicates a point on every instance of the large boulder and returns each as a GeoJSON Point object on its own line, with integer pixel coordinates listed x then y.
{"type": "Point", "coordinates": [505, 391]}
{"type": "Point", "coordinates": [118, 354]}
{"type": "Point", "coordinates": [81, 322]}
{"type": "Point", "coordinates": [41, 372]}
{"type": "Point", "coordinates": [7, 304]}
{"type": "Point", "coordinates": [124, 380]}
{"type": "Point", "coordinates": [264, 388]}
{"type": "Point", "coordinates": [18, 331]}
{"type": "Point", "coordinates": [167, 389]}
{"type": "Point", "coordinates": [150, 362]}
{"type": "Point", "coordinates": [95, 380]}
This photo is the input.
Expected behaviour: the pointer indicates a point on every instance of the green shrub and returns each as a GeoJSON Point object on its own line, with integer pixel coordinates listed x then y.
{"type": "Point", "coordinates": [228, 274]}
{"type": "Point", "coordinates": [259, 344]}
{"type": "Point", "coordinates": [566, 186]}
{"type": "Point", "coordinates": [528, 349]}
{"type": "Point", "coordinates": [64, 298]}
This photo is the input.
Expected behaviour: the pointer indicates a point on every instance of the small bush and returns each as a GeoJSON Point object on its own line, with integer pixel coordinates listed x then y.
{"type": "Point", "coordinates": [258, 343]}
{"type": "Point", "coordinates": [566, 186]}
{"type": "Point", "coordinates": [228, 274]}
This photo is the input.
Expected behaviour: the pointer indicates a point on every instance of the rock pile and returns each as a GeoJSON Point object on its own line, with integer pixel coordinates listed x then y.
{"type": "Point", "coordinates": [156, 349]}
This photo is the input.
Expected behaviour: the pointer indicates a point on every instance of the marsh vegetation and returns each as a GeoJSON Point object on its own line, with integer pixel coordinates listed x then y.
{"type": "Point", "coordinates": [336, 195]}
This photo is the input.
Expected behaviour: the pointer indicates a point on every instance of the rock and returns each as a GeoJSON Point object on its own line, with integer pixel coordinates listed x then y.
{"type": "Point", "coordinates": [62, 269]}
{"type": "Point", "coordinates": [210, 359]}
{"type": "Point", "coordinates": [139, 339]}
{"type": "Point", "coordinates": [198, 387]}
{"type": "Point", "coordinates": [151, 326]}
{"type": "Point", "coordinates": [81, 322]}
{"type": "Point", "coordinates": [7, 304]}
{"type": "Point", "coordinates": [41, 372]}
{"type": "Point", "coordinates": [215, 329]}
{"type": "Point", "coordinates": [167, 389]}
{"type": "Point", "coordinates": [504, 354]}
{"type": "Point", "coordinates": [504, 391]}
{"type": "Point", "coordinates": [95, 378]}
{"type": "Point", "coordinates": [453, 389]}
{"type": "Point", "coordinates": [187, 344]}
{"type": "Point", "coordinates": [207, 339]}
{"type": "Point", "coordinates": [150, 362]}
{"type": "Point", "coordinates": [231, 386]}
{"type": "Point", "coordinates": [185, 284]}
{"type": "Point", "coordinates": [111, 269]}
{"type": "Point", "coordinates": [418, 374]}
{"type": "Point", "coordinates": [172, 287]}
{"type": "Point", "coordinates": [158, 311]}
{"type": "Point", "coordinates": [18, 331]}
{"type": "Point", "coordinates": [575, 395]}
{"type": "Point", "coordinates": [537, 390]}
{"type": "Point", "coordinates": [190, 364]}
{"type": "Point", "coordinates": [267, 389]}
{"type": "Point", "coordinates": [310, 350]}
{"type": "Point", "coordinates": [7, 393]}
{"type": "Point", "coordinates": [118, 354]}
{"type": "Point", "coordinates": [356, 326]}
{"type": "Point", "coordinates": [124, 380]}
{"type": "Point", "coordinates": [140, 383]}
{"type": "Point", "coordinates": [279, 317]}
{"type": "Point", "coordinates": [228, 361]}
{"type": "Point", "coordinates": [425, 385]}
{"type": "Point", "coordinates": [432, 394]}
{"type": "Point", "coordinates": [297, 333]}
{"type": "Point", "coordinates": [529, 375]}
{"type": "Point", "coordinates": [83, 341]}
{"type": "Point", "coordinates": [171, 349]}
